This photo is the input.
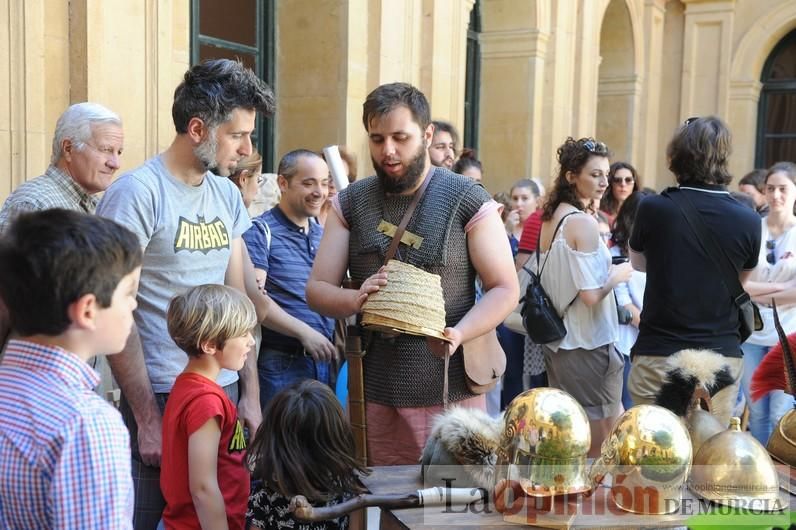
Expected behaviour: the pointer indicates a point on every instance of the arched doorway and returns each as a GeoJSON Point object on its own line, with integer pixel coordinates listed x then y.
{"type": "Point", "coordinates": [618, 85]}
{"type": "Point", "coordinates": [776, 122]}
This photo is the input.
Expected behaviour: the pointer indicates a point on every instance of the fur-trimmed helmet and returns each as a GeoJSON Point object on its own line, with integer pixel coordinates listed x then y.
{"type": "Point", "coordinates": [544, 444]}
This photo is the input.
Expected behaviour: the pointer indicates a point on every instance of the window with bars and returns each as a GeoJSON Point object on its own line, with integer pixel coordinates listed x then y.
{"type": "Point", "coordinates": [776, 134]}
{"type": "Point", "coordinates": [243, 30]}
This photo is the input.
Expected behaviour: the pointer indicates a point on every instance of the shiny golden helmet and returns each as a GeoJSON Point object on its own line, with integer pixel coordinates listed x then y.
{"type": "Point", "coordinates": [648, 455]}
{"type": "Point", "coordinates": [544, 443]}
{"type": "Point", "coordinates": [734, 469]}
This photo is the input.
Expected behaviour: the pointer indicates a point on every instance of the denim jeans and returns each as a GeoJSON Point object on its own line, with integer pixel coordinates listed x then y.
{"type": "Point", "coordinates": [627, 401]}
{"type": "Point", "coordinates": [766, 412]}
{"type": "Point", "coordinates": [514, 346]}
{"type": "Point", "coordinates": [278, 370]}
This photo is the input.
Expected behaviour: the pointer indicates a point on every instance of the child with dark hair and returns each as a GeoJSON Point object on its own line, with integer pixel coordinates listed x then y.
{"type": "Point", "coordinates": [203, 479]}
{"type": "Point", "coordinates": [69, 281]}
{"type": "Point", "coordinates": [304, 446]}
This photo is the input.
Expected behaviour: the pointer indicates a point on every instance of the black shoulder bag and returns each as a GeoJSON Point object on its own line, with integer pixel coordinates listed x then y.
{"type": "Point", "coordinates": [749, 319]}
{"type": "Point", "coordinates": [539, 316]}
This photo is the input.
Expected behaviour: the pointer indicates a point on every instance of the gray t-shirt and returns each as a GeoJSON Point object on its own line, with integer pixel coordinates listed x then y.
{"type": "Point", "coordinates": [186, 233]}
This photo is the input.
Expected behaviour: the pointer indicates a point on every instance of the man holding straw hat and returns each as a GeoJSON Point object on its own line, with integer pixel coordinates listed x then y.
{"type": "Point", "coordinates": [453, 230]}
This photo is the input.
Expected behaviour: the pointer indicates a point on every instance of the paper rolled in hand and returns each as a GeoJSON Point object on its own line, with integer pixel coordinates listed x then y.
{"type": "Point", "coordinates": [340, 177]}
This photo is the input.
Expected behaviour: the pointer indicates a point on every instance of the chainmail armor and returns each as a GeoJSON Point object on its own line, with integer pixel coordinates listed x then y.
{"type": "Point", "coordinates": [400, 371]}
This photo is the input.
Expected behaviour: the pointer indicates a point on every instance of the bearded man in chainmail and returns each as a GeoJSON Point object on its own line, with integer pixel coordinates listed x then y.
{"type": "Point", "coordinates": [462, 236]}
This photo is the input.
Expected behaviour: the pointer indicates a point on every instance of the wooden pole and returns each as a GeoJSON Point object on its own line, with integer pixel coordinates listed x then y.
{"type": "Point", "coordinates": [356, 392]}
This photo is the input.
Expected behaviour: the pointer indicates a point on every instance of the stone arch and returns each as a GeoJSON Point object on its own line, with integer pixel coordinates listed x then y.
{"type": "Point", "coordinates": [745, 70]}
{"type": "Point", "coordinates": [759, 41]}
{"type": "Point", "coordinates": [619, 78]}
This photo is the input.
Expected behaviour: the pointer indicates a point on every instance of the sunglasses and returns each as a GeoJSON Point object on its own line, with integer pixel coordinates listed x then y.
{"type": "Point", "coordinates": [691, 120]}
{"type": "Point", "coordinates": [594, 147]}
{"type": "Point", "coordinates": [770, 245]}
{"type": "Point", "coordinates": [620, 180]}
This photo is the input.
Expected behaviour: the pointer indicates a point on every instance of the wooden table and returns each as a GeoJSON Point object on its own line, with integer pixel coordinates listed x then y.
{"type": "Point", "coordinates": [406, 479]}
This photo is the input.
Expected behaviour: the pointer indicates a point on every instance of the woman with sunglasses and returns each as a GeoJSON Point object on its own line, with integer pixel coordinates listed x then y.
{"type": "Point", "coordinates": [622, 181]}
{"type": "Point", "coordinates": [776, 265]}
{"type": "Point", "coordinates": [579, 278]}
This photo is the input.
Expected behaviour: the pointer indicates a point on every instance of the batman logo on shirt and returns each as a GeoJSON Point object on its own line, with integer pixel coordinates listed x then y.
{"type": "Point", "coordinates": [201, 236]}
{"type": "Point", "coordinates": [238, 441]}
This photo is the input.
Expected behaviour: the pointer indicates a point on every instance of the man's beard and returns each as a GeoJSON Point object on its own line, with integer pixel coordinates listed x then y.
{"type": "Point", "coordinates": [414, 172]}
{"type": "Point", "coordinates": [206, 152]}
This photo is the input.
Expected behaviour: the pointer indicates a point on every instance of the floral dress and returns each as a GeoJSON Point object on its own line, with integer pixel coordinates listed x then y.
{"type": "Point", "coordinates": [269, 509]}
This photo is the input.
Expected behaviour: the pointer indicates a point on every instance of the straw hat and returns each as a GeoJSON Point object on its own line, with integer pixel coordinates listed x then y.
{"type": "Point", "coordinates": [411, 302]}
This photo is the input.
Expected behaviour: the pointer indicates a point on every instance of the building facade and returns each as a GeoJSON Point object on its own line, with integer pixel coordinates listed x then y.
{"type": "Point", "coordinates": [518, 76]}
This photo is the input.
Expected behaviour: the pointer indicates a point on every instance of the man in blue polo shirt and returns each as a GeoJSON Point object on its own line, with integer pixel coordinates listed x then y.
{"type": "Point", "coordinates": [282, 244]}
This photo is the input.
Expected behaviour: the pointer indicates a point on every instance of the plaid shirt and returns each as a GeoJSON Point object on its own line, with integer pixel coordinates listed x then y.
{"type": "Point", "coordinates": [54, 189]}
{"type": "Point", "coordinates": [64, 452]}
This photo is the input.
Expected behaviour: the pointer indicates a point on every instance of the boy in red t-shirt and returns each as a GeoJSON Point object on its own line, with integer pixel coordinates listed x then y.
{"type": "Point", "coordinates": [202, 477]}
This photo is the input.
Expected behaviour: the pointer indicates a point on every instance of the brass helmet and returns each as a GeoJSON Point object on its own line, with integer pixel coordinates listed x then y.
{"type": "Point", "coordinates": [734, 469]}
{"type": "Point", "coordinates": [648, 455]}
{"type": "Point", "coordinates": [544, 444]}
{"type": "Point", "coordinates": [782, 444]}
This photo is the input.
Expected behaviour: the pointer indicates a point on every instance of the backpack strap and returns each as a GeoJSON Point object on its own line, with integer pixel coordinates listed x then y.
{"type": "Point", "coordinates": [265, 229]}
{"type": "Point", "coordinates": [552, 240]}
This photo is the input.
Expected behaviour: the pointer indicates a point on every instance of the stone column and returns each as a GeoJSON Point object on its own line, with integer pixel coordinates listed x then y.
{"type": "Point", "coordinates": [443, 58]}
{"type": "Point", "coordinates": [647, 142]}
{"type": "Point", "coordinates": [514, 42]}
{"type": "Point", "coordinates": [707, 55]}
{"type": "Point", "coordinates": [24, 142]}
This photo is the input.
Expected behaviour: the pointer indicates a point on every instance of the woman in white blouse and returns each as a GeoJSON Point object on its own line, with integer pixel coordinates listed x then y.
{"type": "Point", "coordinates": [579, 279]}
{"type": "Point", "coordinates": [775, 266]}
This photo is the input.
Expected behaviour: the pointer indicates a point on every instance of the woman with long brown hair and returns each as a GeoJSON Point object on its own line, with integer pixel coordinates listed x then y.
{"type": "Point", "coordinates": [579, 278]}
{"type": "Point", "coordinates": [622, 181]}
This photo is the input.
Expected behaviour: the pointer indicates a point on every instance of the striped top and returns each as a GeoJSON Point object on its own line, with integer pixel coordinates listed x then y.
{"type": "Point", "coordinates": [64, 451]}
{"type": "Point", "coordinates": [530, 232]}
{"type": "Point", "coordinates": [54, 189]}
{"type": "Point", "coordinates": [288, 261]}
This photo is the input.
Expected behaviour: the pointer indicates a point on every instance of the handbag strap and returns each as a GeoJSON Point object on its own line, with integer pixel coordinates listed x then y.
{"type": "Point", "coordinates": [728, 274]}
{"type": "Point", "coordinates": [552, 240]}
{"type": "Point", "coordinates": [399, 232]}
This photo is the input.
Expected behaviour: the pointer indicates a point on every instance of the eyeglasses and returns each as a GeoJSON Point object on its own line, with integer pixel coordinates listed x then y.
{"type": "Point", "coordinates": [690, 120]}
{"type": "Point", "coordinates": [594, 147]}
{"type": "Point", "coordinates": [620, 180]}
{"type": "Point", "coordinates": [770, 245]}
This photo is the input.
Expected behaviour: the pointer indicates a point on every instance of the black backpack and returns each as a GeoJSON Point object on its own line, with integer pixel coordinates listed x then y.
{"type": "Point", "coordinates": [539, 316]}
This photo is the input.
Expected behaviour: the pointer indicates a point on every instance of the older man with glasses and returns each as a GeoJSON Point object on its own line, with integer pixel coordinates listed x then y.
{"type": "Point", "coordinates": [87, 146]}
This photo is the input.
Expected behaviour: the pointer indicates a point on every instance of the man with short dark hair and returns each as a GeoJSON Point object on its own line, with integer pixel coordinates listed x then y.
{"type": "Point", "coordinates": [444, 142]}
{"type": "Point", "coordinates": [282, 245]}
{"type": "Point", "coordinates": [190, 224]}
{"type": "Point", "coordinates": [686, 303]}
{"type": "Point", "coordinates": [70, 281]}
{"type": "Point", "coordinates": [460, 234]}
